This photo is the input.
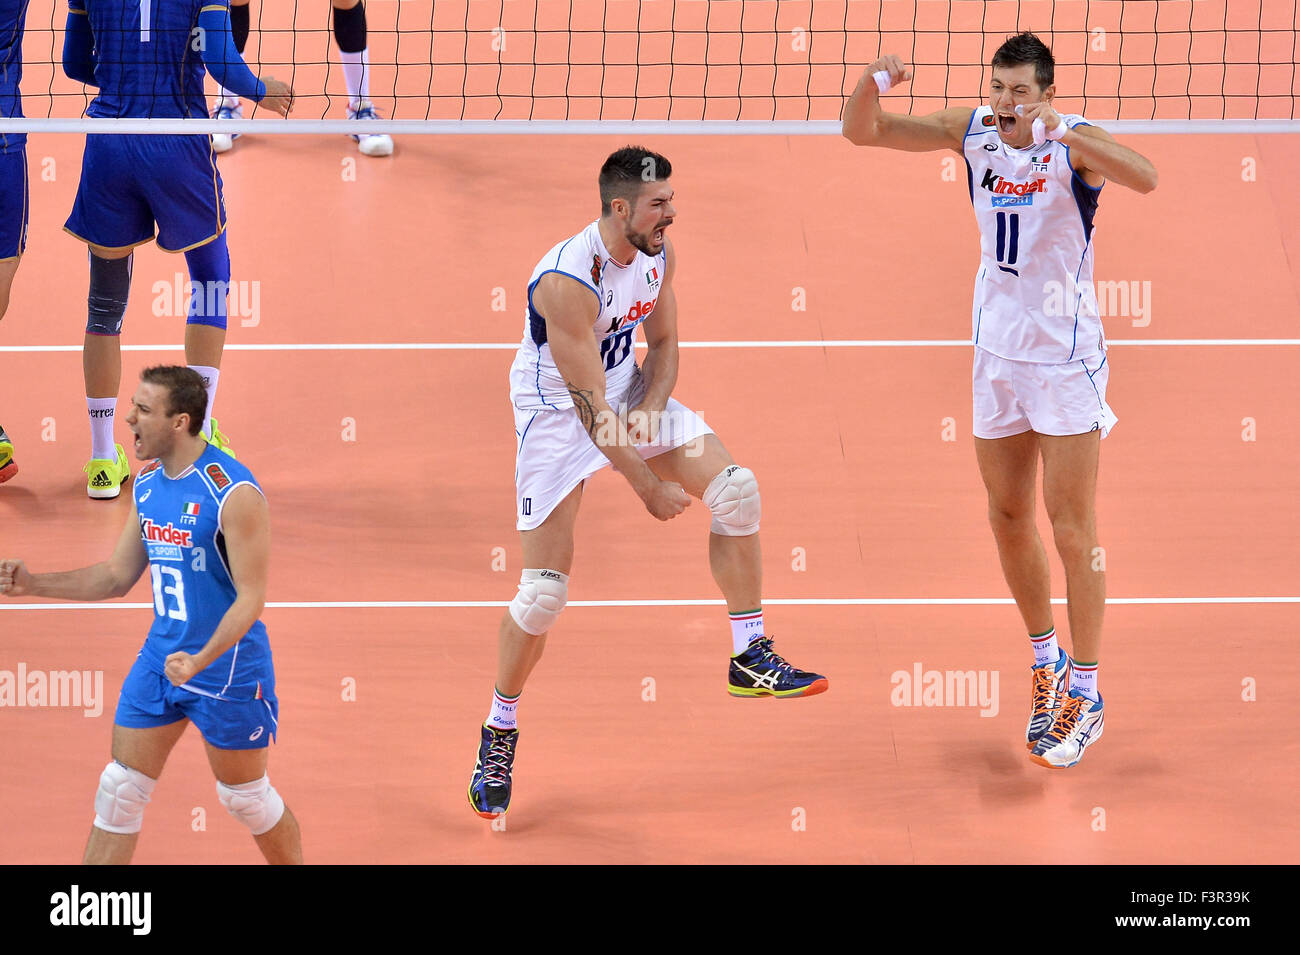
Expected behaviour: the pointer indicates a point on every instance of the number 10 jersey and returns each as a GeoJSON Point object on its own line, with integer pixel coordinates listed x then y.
{"type": "Point", "coordinates": [625, 296]}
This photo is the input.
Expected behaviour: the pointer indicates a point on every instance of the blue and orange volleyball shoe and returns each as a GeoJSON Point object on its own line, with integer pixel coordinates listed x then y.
{"type": "Point", "coordinates": [7, 466]}
{"type": "Point", "coordinates": [489, 787]}
{"type": "Point", "coordinates": [1047, 691]}
{"type": "Point", "coordinates": [760, 671]}
{"type": "Point", "coordinates": [1077, 726]}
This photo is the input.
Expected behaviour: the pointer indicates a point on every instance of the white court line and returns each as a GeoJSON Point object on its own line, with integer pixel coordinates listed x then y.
{"type": "Point", "coordinates": [806, 343]}
{"type": "Point", "coordinates": [778, 602]}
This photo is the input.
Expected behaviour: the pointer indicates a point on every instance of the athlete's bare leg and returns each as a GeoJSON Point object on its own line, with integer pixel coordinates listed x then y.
{"type": "Point", "coordinates": [204, 344]}
{"type": "Point", "coordinates": [282, 843]}
{"type": "Point", "coordinates": [546, 547]}
{"type": "Point", "coordinates": [101, 355]}
{"type": "Point", "coordinates": [145, 751]}
{"type": "Point", "coordinates": [1070, 494]}
{"type": "Point", "coordinates": [736, 562]}
{"type": "Point", "coordinates": [1009, 467]}
{"type": "Point", "coordinates": [8, 268]}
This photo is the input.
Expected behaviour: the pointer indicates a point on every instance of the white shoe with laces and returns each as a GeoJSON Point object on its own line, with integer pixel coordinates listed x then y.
{"type": "Point", "coordinates": [226, 109]}
{"type": "Point", "coordinates": [1079, 723]}
{"type": "Point", "coordinates": [370, 144]}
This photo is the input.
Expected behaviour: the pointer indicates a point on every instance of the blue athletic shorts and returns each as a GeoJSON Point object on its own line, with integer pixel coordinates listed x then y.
{"type": "Point", "coordinates": [128, 183]}
{"type": "Point", "coordinates": [148, 699]}
{"type": "Point", "coordinates": [13, 203]}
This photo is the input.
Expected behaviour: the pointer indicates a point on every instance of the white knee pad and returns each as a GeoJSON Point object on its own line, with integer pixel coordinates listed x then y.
{"type": "Point", "coordinates": [120, 800]}
{"type": "Point", "coordinates": [733, 499]}
{"type": "Point", "coordinates": [256, 804]}
{"type": "Point", "coordinates": [542, 595]}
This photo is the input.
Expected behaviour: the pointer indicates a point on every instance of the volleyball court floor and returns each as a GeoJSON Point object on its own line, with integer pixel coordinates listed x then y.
{"type": "Point", "coordinates": [389, 473]}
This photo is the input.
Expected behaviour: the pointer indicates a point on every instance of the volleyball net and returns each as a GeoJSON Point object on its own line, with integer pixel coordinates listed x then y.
{"type": "Point", "coordinates": [756, 65]}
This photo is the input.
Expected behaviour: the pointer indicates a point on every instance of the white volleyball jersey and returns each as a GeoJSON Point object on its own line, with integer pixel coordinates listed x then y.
{"type": "Point", "coordinates": [1034, 298]}
{"type": "Point", "coordinates": [627, 295]}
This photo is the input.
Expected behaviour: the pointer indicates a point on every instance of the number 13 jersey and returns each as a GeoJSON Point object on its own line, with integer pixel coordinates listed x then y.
{"type": "Point", "coordinates": [1034, 297]}
{"type": "Point", "coordinates": [189, 568]}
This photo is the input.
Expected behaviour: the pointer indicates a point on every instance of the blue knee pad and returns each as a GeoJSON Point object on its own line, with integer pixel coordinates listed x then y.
{"type": "Point", "coordinates": [209, 266]}
{"type": "Point", "coordinates": [110, 285]}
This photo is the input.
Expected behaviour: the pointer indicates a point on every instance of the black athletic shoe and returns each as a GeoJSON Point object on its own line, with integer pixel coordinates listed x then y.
{"type": "Point", "coordinates": [489, 787]}
{"type": "Point", "coordinates": [760, 671]}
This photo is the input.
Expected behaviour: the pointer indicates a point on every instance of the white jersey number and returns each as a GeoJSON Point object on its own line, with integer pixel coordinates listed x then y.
{"type": "Point", "coordinates": [176, 589]}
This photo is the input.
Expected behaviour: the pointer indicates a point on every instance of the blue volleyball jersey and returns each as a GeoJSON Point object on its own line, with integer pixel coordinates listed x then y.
{"type": "Point", "coordinates": [148, 60]}
{"type": "Point", "coordinates": [180, 524]}
{"type": "Point", "coordinates": [12, 15]}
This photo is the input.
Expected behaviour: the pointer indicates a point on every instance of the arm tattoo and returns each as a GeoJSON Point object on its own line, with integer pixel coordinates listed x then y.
{"type": "Point", "coordinates": [582, 403]}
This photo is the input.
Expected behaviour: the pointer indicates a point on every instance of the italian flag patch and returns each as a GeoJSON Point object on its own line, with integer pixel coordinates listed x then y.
{"type": "Point", "coordinates": [191, 509]}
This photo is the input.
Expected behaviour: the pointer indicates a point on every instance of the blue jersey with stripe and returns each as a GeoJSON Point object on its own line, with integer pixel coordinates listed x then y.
{"type": "Point", "coordinates": [148, 58]}
{"type": "Point", "coordinates": [13, 13]}
{"type": "Point", "coordinates": [180, 524]}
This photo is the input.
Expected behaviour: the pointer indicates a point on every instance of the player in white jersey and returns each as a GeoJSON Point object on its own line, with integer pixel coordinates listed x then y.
{"type": "Point", "coordinates": [1040, 369]}
{"type": "Point", "coordinates": [582, 403]}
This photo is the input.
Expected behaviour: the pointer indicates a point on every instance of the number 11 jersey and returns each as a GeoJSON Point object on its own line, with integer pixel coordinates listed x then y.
{"type": "Point", "coordinates": [1034, 294]}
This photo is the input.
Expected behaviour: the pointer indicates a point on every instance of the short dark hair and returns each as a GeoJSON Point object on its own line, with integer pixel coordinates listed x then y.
{"type": "Point", "coordinates": [186, 393]}
{"type": "Point", "coordinates": [626, 171]}
{"type": "Point", "coordinates": [1027, 48]}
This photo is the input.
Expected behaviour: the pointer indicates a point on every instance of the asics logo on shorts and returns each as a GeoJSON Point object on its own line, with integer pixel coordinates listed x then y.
{"type": "Point", "coordinates": [256, 734]}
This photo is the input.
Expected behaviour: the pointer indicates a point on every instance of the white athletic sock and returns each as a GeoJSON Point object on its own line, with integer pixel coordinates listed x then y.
{"type": "Point", "coordinates": [210, 377]}
{"type": "Point", "coordinates": [356, 74]}
{"type": "Point", "coordinates": [1083, 679]}
{"type": "Point", "coordinates": [1046, 649]}
{"type": "Point", "coordinates": [230, 97]}
{"type": "Point", "coordinates": [746, 627]}
{"type": "Point", "coordinates": [101, 411]}
{"type": "Point", "coordinates": [502, 716]}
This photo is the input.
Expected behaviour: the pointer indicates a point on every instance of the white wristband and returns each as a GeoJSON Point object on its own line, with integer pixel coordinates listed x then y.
{"type": "Point", "coordinates": [1042, 134]}
{"type": "Point", "coordinates": [883, 82]}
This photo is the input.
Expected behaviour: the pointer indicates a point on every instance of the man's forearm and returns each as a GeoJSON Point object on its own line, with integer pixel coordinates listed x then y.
{"type": "Point", "coordinates": [1113, 160]}
{"type": "Point", "coordinates": [862, 112]}
{"type": "Point", "coordinates": [236, 621]}
{"type": "Point", "coordinates": [609, 433]}
{"type": "Point", "coordinates": [88, 583]}
{"type": "Point", "coordinates": [660, 373]}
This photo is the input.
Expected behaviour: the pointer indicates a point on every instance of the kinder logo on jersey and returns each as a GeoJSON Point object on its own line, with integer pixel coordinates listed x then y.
{"type": "Point", "coordinates": [217, 476]}
{"type": "Point", "coordinates": [637, 312]}
{"type": "Point", "coordinates": [167, 533]}
{"type": "Point", "coordinates": [1006, 187]}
